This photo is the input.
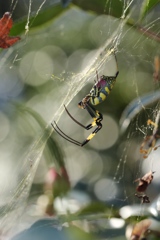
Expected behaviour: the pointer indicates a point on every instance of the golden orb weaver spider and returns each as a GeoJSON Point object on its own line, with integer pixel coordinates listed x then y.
{"type": "Point", "coordinates": [100, 90]}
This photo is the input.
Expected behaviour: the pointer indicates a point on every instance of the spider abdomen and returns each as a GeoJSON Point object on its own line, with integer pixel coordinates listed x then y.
{"type": "Point", "coordinates": [101, 90]}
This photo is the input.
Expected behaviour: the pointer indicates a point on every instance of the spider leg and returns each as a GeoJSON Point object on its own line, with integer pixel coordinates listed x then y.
{"type": "Point", "coordinates": [73, 118]}
{"type": "Point", "coordinates": [116, 64]}
{"type": "Point", "coordinates": [97, 77]}
{"type": "Point", "coordinates": [97, 118]}
{"type": "Point", "coordinates": [92, 113]}
{"type": "Point", "coordinates": [65, 136]}
{"type": "Point", "coordinates": [147, 146]}
{"type": "Point", "coordinates": [99, 126]}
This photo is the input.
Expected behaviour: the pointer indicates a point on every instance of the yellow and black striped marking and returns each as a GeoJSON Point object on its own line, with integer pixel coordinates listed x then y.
{"type": "Point", "coordinates": [102, 89]}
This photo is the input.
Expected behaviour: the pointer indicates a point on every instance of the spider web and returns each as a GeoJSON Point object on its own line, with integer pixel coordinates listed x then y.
{"type": "Point", "coordinates": [70, 79]}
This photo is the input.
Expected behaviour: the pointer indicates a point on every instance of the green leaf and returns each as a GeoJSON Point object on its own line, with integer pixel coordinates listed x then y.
{"type": "Point", "coordinates": [147, 6]}
{"type": "Point", "coordinates": [96, 208]}
{"type": "Point", "coordinates": [110, 7]}
{"type": "Point", "coordinates": [93, 211]}
{"type": "Point", "coordinates": [42, 18]}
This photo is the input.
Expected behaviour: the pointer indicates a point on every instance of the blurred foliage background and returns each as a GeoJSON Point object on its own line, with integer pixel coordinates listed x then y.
{"type": "Point", "coordinates": [43, 175]}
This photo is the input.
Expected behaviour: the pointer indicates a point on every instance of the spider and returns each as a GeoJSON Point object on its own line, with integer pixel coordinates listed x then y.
{"type": "Point", "coordinates": [149, 142]}
{"type": "Point", "coordinates": [98, 93]}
